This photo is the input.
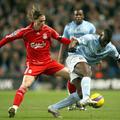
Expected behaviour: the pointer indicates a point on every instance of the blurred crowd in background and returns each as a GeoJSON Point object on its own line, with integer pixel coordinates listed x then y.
{"type": "Point", "coordinates": [13, 15]}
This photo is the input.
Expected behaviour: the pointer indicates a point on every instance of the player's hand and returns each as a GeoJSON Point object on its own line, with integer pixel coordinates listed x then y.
{"type": "Point", "coordinates": [72, 45]}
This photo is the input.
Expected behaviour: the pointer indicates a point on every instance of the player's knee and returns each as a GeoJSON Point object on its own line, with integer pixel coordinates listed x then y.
{"type": "Point", "coordinates": [66, 75]}
{"type": "Point", "coordinates": [27, 81]}
{"type": "Point", "coordinates": [26, 84]}
{"type": "Point", "coordinates": [87, 73]}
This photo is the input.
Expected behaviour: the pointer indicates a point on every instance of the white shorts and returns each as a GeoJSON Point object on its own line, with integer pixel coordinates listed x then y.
{"type": "Point", "coordinates": [71, 61]}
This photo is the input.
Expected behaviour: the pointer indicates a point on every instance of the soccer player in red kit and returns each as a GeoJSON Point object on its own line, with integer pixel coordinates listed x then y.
{"type": "Point", "coordinates": [37, 39]}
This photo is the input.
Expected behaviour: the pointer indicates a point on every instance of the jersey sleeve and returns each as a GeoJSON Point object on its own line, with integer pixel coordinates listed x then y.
{"type": "Point", "coordinates": [65, 32]}
{"type": "Point", "coordinates": [93, 29]}
{"type": "Point", "coordinates": [54, 34]}
{"type": "Point", "coordinates": [61, 39]}
{"type": "Point", "coordinates": [11, 37]}
{"type": "Point", "coordinates": [85, 39]}
{"type": "Point", "coordinates": [114, 53]}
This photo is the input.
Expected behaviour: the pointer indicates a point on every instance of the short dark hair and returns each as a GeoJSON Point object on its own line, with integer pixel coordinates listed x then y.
{"type": "Point", "coordinates": [108, 34]}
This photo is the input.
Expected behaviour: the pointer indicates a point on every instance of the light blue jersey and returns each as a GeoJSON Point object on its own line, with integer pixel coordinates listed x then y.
{"type": "Point", "coordinates": [72, 29]}
{"type": "Point", "coordinates": [90, 48]}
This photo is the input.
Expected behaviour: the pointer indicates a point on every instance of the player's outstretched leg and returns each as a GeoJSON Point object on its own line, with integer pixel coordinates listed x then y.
{"type": "Point", "coordinates": [71, 89]}
{"type": "Point", "coordinates": [54, 112]}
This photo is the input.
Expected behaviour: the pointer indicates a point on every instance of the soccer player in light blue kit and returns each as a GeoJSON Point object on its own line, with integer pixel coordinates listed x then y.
{"type": "Point", "coordinates": [77, 28]}
{"type": "Point", "coordinates": [83, 52]}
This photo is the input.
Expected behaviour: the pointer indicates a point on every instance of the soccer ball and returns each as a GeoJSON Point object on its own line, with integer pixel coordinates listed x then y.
{"type": "Point", "coordinates": [99, 98]}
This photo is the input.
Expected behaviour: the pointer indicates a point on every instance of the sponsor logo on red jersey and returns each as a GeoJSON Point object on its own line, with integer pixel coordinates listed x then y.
{"type": "Point", "coordinates": [38, 45]}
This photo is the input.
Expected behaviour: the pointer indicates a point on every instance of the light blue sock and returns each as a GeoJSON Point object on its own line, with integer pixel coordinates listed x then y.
{"type": "Point", "coordinates": [72, 98]}
{"type": "Point", "coordinates": [85, 85]}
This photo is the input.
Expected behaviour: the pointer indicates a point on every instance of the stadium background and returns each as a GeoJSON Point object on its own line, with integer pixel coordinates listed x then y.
{"type": "Point", "coordinates": [102, 13]}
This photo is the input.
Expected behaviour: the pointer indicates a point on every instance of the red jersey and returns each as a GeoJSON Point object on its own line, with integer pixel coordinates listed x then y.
{"type": "Point", "coordinates": [37, 43]}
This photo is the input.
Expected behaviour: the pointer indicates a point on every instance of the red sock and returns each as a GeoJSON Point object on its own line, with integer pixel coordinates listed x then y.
{"type": "Point", "coordinates": [19, 96]}
{"type": "Point", "coordinates": [71, 88]}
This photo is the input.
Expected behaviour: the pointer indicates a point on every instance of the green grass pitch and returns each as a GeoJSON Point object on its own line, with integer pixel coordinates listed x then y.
{"type": "Point", "coordinates": [34, 106]}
